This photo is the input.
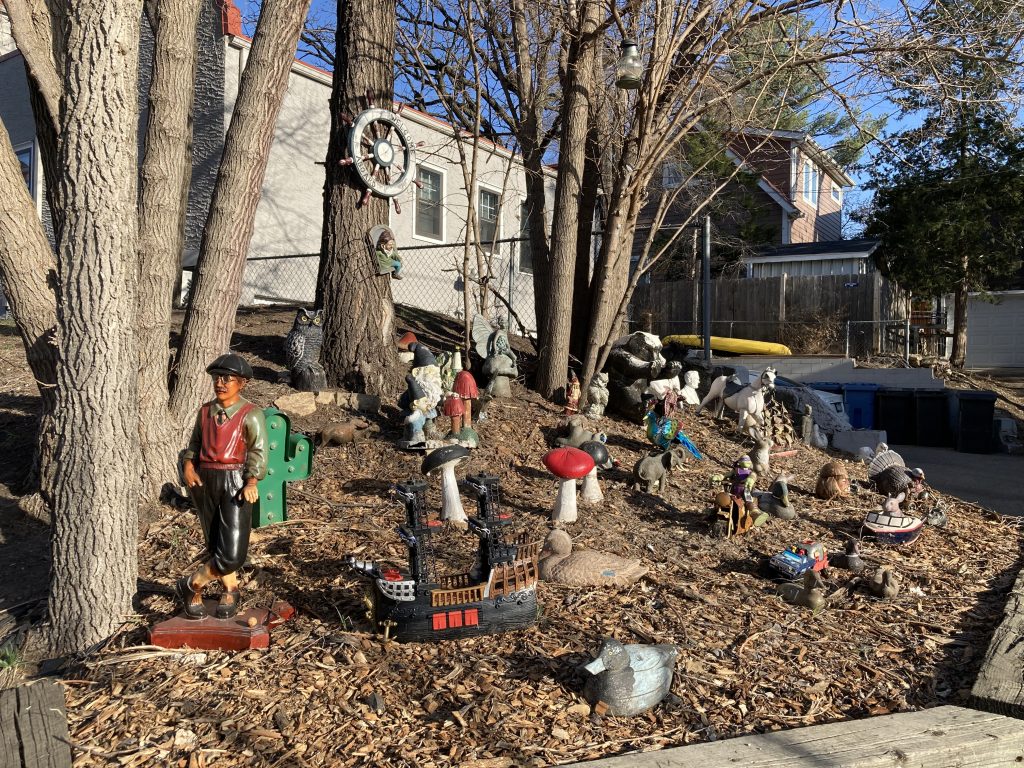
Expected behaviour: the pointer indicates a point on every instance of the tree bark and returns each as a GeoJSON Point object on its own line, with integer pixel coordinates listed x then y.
{"type": "Point", "coordinates": [553, 365]}
{"type": "Point", "coordinates": [166, 171]}
{"type": "Point", "coordinates": [95, 505]}
{"type": "Point", "coordinates": [359, 349]}
{"type": "Point", "coordinates": [217, 285]}
{"type": "Point", "coordinates": [959, 354]}
{"type": "Point", "coordinates": [584, 248]}
{"type": "Point", "coordinates": [28, 272]}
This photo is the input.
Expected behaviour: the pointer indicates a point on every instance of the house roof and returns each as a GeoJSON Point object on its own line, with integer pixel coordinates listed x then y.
{"type": "Point", "coordinates": [860, 248]}
{"type": "Point", "coordinates": [811, 148]}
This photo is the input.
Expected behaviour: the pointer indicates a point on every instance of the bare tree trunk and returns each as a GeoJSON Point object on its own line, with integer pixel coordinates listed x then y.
{"type": "Point", "coordinates": [27, 271]}
{"type": "Point", "coordinates": [95, 505]}
{"type": "Point", "coordinates": [359, 348]}
{"type": "Point", "coordinates": [554, 354]}
{"type": "Point", "coordinates": [166, 170]}
{"type": "Point", "coordinates": [960, 299]}
{"type": "Point", "coordinates": [217, 285]}
{"type": "Point", "coordinates": [584, 249]}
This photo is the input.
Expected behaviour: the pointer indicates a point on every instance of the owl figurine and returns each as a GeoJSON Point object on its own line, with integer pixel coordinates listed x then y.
{"type": "Point", "coordinates": [302, 351]}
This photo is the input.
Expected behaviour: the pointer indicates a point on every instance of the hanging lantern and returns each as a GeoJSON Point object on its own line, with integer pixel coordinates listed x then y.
{"type": "Point", "coordinates": [629, 69]}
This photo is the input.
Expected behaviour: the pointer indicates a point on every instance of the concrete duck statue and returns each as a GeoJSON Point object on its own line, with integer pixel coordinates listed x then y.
{"type": "Point", "coordinates": [851, 560]}
{"type": "Point", "coordinates": [810, 594]}
{"type": "Point", "coordinates": [585, 567]}
{"type": "Point", "coordinates": [629, 679]}
{"type": "Point", "coordinates": [775, 501]}
{"type": "Point", "coordinates": [884, 584]}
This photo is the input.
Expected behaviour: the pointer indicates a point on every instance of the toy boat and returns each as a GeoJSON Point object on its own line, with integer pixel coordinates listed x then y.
{"type": "Point", "coordinates": [499, 593]}
{"type": "Point", "coordinates": [726, 344]}
{"type": "Point", "coordinates": [892, 529]}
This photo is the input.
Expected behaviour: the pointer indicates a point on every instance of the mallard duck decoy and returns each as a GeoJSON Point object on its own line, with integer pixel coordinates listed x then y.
{"type": "Point", "coordinates": [584, 567]}
{"type": "Point", "coordinates": [776, 500]}
{"type": "Point", "coordinates": [629, 679]}
{"type": "Point", "coordinates": [884, 584]}
{"type": "Point", "coordinates": [811, 594]}
{"type": "Point", "coordinates": [851, 560]}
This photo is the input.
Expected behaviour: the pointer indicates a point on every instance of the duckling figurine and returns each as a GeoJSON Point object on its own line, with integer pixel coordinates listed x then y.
{"type": "Point", "coordinates": [884, 584]}
{"type": "Point", "coordinates": [851, 561]}
{"type": "Point", "coordinates": [585, 567]}
{"type": "Point", "coordinates": [810, 595]}
{"type": "Point", "coordinates": [629, 679]}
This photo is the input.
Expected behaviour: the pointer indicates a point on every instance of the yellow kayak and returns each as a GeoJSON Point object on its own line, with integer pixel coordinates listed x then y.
{"type": "Point", "coordinates": [724, 344]}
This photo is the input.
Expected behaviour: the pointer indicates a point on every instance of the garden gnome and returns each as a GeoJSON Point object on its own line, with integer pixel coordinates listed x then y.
{"type": "Point", "coordinates": [388, 260]}
{"type": "Point", "coordinates": [417, 406]}
{"type": "Point", "coordinates": [572, 393]}
{"type": "Point", "coordinates": [226, 457]}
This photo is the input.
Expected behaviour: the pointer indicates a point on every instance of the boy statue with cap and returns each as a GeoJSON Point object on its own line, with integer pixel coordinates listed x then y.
{"type": "Point", "coordinates": [226, 457]}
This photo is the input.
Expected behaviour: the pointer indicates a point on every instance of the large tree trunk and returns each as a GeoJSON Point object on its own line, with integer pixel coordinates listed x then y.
{"type": "Point", "coordinates": [554, 353]}
{"type": "Point", "coordinates": [95, 505]}
{"type": "Point", "coordinates": [166, 170]}
{"type": "Point", "coordinates": [584, 249]}
{"type": "Point", "coordinates": [959, 354]}
{"type": "Point", "coordinates": [359, 348]}
{"type": "Point", "coordinates": [217, 285]}
{"type": "Point", "coordinates": [27, 271]}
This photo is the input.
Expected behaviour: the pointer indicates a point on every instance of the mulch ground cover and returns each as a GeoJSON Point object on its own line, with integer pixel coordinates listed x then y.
{"type": "Point", "coordinates": [330, 693]}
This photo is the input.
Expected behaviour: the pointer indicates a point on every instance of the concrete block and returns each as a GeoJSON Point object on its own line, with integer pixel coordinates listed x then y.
{"type": "Point", "coordinates": [297, 404]}
{"type": "Point", "coordinates": [855, 439]}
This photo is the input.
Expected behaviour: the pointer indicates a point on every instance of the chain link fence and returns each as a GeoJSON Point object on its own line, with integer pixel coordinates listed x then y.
{"type": "Point", "coordinates": [432, 278]}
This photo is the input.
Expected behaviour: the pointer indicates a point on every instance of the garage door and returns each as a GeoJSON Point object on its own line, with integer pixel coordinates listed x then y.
{"type": "Point", "coordinates": [995, 332]}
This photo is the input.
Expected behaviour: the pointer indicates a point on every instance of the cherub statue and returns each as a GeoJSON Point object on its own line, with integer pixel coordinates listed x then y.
{"type": "Point", "coordinates": [500, 362]}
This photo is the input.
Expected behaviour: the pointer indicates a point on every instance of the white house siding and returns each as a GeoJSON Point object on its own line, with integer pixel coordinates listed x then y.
{"type": "Point", "coordinates": [994, 338]}
{"type": "Point", "coordinates": [808, 267]}
{"type": "Point", "coordinates": [290, 215]}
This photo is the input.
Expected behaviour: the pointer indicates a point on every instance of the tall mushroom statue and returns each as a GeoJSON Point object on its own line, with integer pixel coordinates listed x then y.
{"type": "Point", "coordinates": [454, 410]}
{"type": "Point", "coordinates": [568, 465]}
{"type": "Point", "coordinates": [465, 387]}
{"type": "Point", "coordinates": [445, 459]}
{"type": "Point", "coordinates": [591, 491]}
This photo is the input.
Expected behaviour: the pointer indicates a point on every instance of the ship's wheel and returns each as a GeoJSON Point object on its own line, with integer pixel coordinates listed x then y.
{"type": "Point", "coordinates": [381, 153]}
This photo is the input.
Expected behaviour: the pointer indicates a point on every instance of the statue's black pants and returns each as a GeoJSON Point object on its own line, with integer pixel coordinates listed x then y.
{"type": "Point", "coordinates": [226, 518]}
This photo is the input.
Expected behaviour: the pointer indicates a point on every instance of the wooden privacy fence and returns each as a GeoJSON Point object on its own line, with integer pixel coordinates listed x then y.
{"type": "Point", "coordinates": [785, 309]}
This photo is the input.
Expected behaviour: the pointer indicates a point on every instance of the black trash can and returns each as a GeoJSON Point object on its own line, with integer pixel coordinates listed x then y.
{"type": "Point", "coordinates": [894, 412]}
{"type": "Point", "coordinates": [972, 414]}
{"type": "Point", "coordinates": [931, 413]}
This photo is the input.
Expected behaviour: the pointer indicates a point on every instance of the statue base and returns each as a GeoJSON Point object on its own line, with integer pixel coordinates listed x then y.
{"type": "Point", "coordinates": [249, 629]}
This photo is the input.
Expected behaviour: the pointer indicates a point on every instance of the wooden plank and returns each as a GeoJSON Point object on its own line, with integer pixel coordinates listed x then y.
{"type": "Point", "coordinates": [34, 727]}
{"type": "Point", "coordinates": [1000, 682]}
{"type": "Point", "coordinates": [933, 738]}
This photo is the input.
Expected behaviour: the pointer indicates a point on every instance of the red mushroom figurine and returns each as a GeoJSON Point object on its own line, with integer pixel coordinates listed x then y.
{"type": "Point", "coordinates": [454, 409]}
{"type": "Point", "coordinates": [465, 387]}
{"type": "Point", "coordinates": [403, 341]}
{"type": "Point", "coordinates": [569, 465]}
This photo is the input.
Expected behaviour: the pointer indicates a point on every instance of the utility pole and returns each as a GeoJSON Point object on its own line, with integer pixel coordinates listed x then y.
{"type": "Point", "coordinates": [706, 280]}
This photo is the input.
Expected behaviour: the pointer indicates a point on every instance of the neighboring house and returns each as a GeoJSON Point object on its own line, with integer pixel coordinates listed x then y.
{"type": "Point", "coordinates": [837, 257]}
{"type": "Point", "coordinates": [289, 217]}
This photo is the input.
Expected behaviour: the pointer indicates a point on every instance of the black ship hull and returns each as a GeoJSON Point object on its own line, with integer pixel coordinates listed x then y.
{"type": "Point", "coordinates": [418, 621]}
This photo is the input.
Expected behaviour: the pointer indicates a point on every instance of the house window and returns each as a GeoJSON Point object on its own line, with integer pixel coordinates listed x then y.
{"type": "Point", "coordinates": [837, 193]}
{"type": "Point", "coordinates": [429, 213]}
{"type": "Point", "coordinates": [26, 156]}
{"type": "Point", "coordinates": [812, 180]}
{"type": "Point", "coordinates": [671, 175]}
{"type": "Point", "coordinates": [487, 216]}
{"type": "Point", "coordinates": [525, 254]}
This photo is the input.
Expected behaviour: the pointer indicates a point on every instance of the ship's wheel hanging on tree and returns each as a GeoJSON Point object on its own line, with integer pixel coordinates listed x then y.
{"type": "Point", "coordinates": [380, 152]}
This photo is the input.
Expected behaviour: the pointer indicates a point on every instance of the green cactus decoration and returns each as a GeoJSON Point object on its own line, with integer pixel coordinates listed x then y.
{"type": "Point", "coordinates": [290, 458]}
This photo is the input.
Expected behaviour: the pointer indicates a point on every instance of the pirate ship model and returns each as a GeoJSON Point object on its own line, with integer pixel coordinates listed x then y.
{"type": "Point", "coordinates": [498, 594]}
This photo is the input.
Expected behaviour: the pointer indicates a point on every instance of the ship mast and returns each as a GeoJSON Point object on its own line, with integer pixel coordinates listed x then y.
{"type": "Point", "coordinates": [416, 533]}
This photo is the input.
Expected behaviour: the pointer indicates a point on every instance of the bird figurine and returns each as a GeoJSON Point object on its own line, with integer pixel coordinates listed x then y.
{"type": "Point", "coordinates": [776, 500]}
{"type": "Point", "coordinates": [884, 584]}
{"type": "Point", "coordinates": [811, 594]}
{"type": "Point", "coordinates": [662, 430]}
{"type": "Point", "coordinates": [584, 567]}
{"type": "Point", "coordinates": [937, 517]}
{"type": "Point", "coordinates": [891, 475]}
{"type": "Point", "coordinates": [851, 560]}
{"type": "Point", "coordinates": [629, 679]}
{"type": "Point", "coordinates": [302, 351]}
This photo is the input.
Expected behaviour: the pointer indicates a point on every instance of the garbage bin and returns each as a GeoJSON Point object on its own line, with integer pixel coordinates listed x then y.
{"type": "Point", "coordinates": [860, 404]}
{"type": "Point", "coordinates": [931, 410]}
{"type": "Point", "coordinates": [894, 412]}
{"type": "Point", "coordinates": [972, 414]}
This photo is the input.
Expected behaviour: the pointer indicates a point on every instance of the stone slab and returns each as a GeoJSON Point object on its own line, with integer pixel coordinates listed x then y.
{"type": "Point", "coordinates": [854, 439]}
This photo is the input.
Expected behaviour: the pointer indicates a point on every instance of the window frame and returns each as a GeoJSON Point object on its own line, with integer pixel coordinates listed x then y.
{"type": "Point", "coordinates": [33, 181]}
{"type": "Point", "coordinates": [837, 192]}
{"type": "Point", "coordinates": [480, 189]}
{"type": "Point", "coordinates": [811, 182]}
{"type": "Point", "coordinates": [440, 204]}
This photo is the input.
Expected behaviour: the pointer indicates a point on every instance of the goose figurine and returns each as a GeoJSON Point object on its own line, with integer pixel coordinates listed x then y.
{"type": "Point", "coordinates": [851, 561]}
{"type": "Point", "coordinates": [884, 584]}
{"type": "Point", "coordinates": [629, 679]}
{"type": "Point", "coordinates": [810, 595]}
{"type": "Point", "coordinates": [584, 567]}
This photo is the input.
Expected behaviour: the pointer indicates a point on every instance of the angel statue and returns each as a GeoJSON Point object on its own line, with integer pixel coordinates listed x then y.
{"type": "Point", "coordinates": [499, 360]}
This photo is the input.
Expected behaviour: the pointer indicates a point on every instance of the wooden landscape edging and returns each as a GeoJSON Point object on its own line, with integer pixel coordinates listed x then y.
{"type": "Point", "coordinates": [34, 727]}
{"type": "Point", "coordinates": [999, 686]}
{"type": "Point", "coordinates": [931, 738]}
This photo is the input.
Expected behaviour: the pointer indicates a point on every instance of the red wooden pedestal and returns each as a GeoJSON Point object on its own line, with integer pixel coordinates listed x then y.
{"type": "Point", "coordinates": [212, 633]}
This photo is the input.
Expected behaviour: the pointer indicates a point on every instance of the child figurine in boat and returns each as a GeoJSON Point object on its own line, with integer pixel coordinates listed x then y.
{"type": "Point", "coordinates": [663, 430]}
{"type": "Point", "coordinates": [498, 594]}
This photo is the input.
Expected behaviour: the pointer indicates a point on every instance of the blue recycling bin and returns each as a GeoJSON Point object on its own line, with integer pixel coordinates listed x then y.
{"type": "Point", "coordinates": [859, 400]}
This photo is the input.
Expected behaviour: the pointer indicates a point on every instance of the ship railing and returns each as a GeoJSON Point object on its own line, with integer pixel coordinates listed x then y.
{"type": "Point", "coordinates": [508, 579]}
{"type": "Point", "coordinates": [442, 598]}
